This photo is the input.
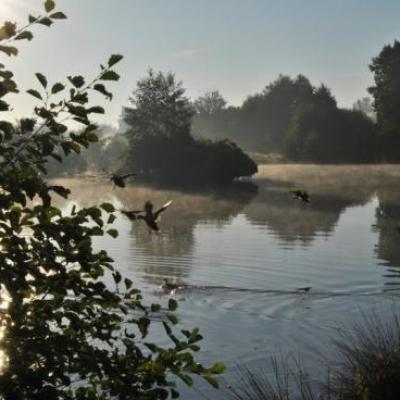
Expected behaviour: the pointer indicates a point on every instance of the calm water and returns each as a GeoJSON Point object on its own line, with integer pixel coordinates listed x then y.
{"type": "Point", "coordinates": [242, 255]}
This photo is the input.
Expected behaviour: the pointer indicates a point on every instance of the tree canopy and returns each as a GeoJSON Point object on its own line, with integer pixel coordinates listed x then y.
{"type": "Point", "coordinates": [161, 144]}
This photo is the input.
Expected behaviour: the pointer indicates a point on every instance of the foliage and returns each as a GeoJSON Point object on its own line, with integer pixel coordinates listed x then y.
{"type": "Point", "coordinates": [161, 145]}
{"type": "Point", "coordinates": [297, 120]}
{"type": "Point", "coordinates": [65, 333]}
{"type": "Point", "coordinates": [386, 94]}
{"type": "Point", "coordinates": [326, 134]}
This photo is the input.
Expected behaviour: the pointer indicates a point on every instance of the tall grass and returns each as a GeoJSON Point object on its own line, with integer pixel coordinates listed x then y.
{"type": "Point", "coordinates": [365, 366]}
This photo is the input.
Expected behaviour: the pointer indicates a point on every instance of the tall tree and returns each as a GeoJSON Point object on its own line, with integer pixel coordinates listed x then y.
{"type": "Point", "coordinates": [386, 94]}
{"type": "Point", "coordinates": [159, 107]}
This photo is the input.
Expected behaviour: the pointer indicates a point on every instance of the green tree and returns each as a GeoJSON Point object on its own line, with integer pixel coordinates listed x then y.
{"type": "Point", "coordinates": [65, 333]}
{"type": "Point", "coordinates": [210, 103]}
{"type": "Point", "coordinates": [386, 94]}
{"type": "Point", "coordinates": [159, 107]}
{"type": "Point", "coordinates": [161, 145]}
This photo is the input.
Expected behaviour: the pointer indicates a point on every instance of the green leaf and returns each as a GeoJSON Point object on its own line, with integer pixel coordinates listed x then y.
{"type": "Point", "coordinates": [57, 87]}
{"type": "Point", "coordinates": [185, 378]}
{"type": "Point", "coordinates": [172, 305]}
{"type": "Point", "coordinates": [4, 106]}
{"type": "Point", "coordinates": [49, 5]}
{"type": "Point", "coordinates": [108, 207]}
{"type": "Point", "coordinates": [128, 283]}
{"type": "Point", "coordinates": [35, 93]}
{"type": "Point", "coordinates": [155, 307]}
{"type": "Point", "coordinates": [96, 110]}
{"type": "Point", "coordinates": [173, 318]}
{"type": "Point", "coordinates": [143, 325]}
{"type": "Point", "coordinates": [115, 58]}
{"type": "Point", "coordinates": [24, 35]}
{"type": "Point", "coordinates": [9, 50]}
{"type": "Point", "coordinates": [42, 79]}
{"type": "Point", "coordinates": [78, 81]}
{"type": "Point", "coordinates": [109, 76]}
{"type": "Point", "coordinates": [102, 89]}
{"type": "Point", "coordinates": [32, 19]}
{"type": "Point", "coordinates": [113, 233]}
{"type": "Point", "coordinates": [217, 368]}
{"type": "Point", "coordinates": [212, 381]}
{"type": "Point", "coordinates": [58, 15]}
{"type": "Point", "coordinates": [45, 21]}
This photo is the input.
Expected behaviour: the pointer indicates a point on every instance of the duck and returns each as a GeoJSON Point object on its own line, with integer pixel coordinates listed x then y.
{"type": "Point", "coordinates": [119, 180]}
{"type": "Point", "coordinates": [169, 286]}
{"type": "Point", "coordinates": [147, 215]}
{"type": "Point", "coordinates": [300, 195]}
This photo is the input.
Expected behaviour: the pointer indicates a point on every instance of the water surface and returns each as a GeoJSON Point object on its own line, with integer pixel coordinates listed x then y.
{"type": "Point", "coordinates": [242, 256]}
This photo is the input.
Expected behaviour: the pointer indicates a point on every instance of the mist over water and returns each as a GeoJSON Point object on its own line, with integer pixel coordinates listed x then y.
{"type": "Point", "coordinates": [242, 256]}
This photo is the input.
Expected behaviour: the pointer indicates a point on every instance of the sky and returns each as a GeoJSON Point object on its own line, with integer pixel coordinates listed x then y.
{"type": "Point", "coordinates": [235, 46]}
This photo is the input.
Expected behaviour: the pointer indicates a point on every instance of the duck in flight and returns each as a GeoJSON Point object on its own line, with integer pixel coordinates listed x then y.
{"type": "Point", "coordinates": [300, 195]}
{"type": "Point", "coordinates": [151, 218]}
{"type": "Point", "coordinates": [119, 180]}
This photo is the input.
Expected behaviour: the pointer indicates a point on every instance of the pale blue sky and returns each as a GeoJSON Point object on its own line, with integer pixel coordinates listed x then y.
{"type": "Point", "coordinates": [235, 46]}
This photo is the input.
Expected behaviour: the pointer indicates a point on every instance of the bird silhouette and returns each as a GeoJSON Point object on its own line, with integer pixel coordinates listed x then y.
{"type": "Point", "coordinates": [119, 180]}
{"type": "Point", "coordinates": [300, 195]}
{"type": "Point", "coordinates": [151, 218]}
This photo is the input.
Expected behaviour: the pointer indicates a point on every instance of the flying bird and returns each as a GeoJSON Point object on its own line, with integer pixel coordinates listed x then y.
{"type": "Point", "coordinates": [301, 195]}
{"type": "Point", "coordinates": [151, 218]}
{"type": "Point", "coordinates": [119, 180]}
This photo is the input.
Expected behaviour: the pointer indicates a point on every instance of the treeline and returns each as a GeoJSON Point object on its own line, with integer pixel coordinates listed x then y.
{"type": "Point", "coordinates": [303, 122]}
{"type": "Point", "coordinates": [167, 137]}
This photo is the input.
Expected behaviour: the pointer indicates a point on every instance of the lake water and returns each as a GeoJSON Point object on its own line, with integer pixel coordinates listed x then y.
{"type": "Point", "coordinates": [242, 254]}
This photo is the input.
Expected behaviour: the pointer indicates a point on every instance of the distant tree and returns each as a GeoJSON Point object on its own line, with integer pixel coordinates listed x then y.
{"type": "Point", "coordinates": [159, 107]}
{"type": "Point", "coordinates": [386, 94]}
{"type": "Point", "coordinates": [365, 106]}
{"type": "Point", "coordinates": [161, 144]}
{"type": "Point", "coordinates": [210, 103]}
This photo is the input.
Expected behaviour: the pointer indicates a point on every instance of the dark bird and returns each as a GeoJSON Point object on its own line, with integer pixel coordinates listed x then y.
{"type": "Point", "coordinates": [119, 180]}
{"type": "Point", "coordinates": [147, 215]}
{"type": "Point", "coordinates": [300, 195]}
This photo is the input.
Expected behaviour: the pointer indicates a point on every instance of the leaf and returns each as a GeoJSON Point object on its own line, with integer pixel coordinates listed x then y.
{"type": "Point", "coordinates": [172, 305]}
{"type": "Point", "coordinates": [96, 110]}
{"type": "Point", "coordinates": [57, 87]}
{"type": "Point", "coordinates": [155, 307]}
{"type": "Point", "coordinates": [185, 378]}
{"type": "Point", "coordinates": [35, 93]}
{"type": "Point", "coordinates": [42, 79]}
{"type": "Point", "coordinates": [78, 81]}
{"type": "Point", "coordinates": [109, 76]}
{"type": "Point", "coordinates": [24, 35]}
{"type": "Point", "coordinates": [108, 207]}
{"type": "Point", "coordinates": [212, 381]}
{"type": "Point", "coordinates": [217, 368]}
{"type": "Point", "coordinates": [4, 106]}
{"type": "Point", "coordinates": [9, 50]}
{"type": "Point", "coordinates": [58, 15]}
{"type": "Point", "coordinates": [32, 19]}
{"type": "Point", "coordinates": [101, 88]}
{"type": "Point", "coordinates": [115, 58]}
{"type": "Point", "coordinates": [45, 21]}
{"type": "Point", "coordinates": [49, 5]}
{"type": "Point", "coordinates": [143, 325]}
{"type": "Point", "coordinates": [113, 233]}
{"type": "Point", "coordinates": [173, 318]}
